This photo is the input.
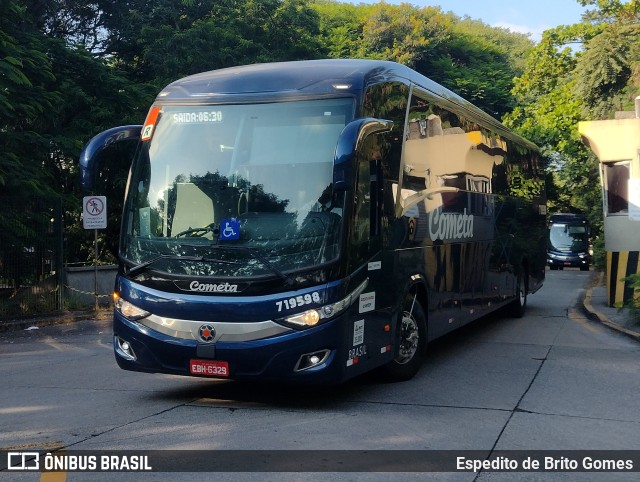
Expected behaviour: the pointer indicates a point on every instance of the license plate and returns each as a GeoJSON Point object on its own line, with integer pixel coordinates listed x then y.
{"type": "Point", "coordinates": [209, 368]}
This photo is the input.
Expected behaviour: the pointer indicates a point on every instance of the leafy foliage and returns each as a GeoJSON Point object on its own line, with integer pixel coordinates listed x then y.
{"type": "Point", "coordinates": [469, 57]}
{"type": "Point", "coordinates": [608, 73]}
{"type": "Point", "coordinates": [25, 103]}
{"type": "Point", "coordinates": [633, 282]}
{"type": "Point", "coordinates": [562, 86]}
{"type": "Point", "coordinates": [174, 39]}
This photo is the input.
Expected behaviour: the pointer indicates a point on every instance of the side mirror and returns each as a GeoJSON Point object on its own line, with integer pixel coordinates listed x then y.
{"type": "Point", "coordinates": [91, 151]}
{"type": "Point", "coordinates": [350, 137]}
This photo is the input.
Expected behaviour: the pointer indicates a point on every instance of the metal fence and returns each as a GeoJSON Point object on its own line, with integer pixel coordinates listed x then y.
{"type": "Point", "coordinates": [31, 247]}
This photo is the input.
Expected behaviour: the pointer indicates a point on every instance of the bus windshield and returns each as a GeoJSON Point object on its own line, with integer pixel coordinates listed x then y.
{"type": "Point", "coordinates": [236, 190]}
{"type": "Point", "coordinates": [568, 238]}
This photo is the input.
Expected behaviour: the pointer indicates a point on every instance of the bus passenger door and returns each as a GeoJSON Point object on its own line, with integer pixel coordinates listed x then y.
{"type": "Point", "coordinates": [366, 259]}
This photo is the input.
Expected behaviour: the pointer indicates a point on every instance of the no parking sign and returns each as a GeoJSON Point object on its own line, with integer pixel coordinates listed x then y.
{"type": "Point", "coordinates": [94, 212]}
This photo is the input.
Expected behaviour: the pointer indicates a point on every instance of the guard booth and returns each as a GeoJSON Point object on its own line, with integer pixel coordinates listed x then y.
{"type": "Point", "coordinates": [616, 143]}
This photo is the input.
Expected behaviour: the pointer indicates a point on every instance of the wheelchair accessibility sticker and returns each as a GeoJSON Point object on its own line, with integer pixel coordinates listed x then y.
{"type": "Point", "coordinates": [229, 229]}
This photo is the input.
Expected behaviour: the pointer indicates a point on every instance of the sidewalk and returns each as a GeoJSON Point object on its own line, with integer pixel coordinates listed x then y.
{"type": "Point", "coordinates": [597, 309]}
{"type": "Point", "coordinates": [55, 319]}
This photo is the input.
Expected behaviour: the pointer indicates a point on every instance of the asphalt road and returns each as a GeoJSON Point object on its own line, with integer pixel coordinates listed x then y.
{"type": "Point", "coordinates": [553, 380]}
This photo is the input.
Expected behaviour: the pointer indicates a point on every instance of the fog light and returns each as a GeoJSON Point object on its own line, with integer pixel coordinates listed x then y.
{"type": "Point", "coordinates": [123, 348]}
{"type": "Point", "coordinates": [311, 360]}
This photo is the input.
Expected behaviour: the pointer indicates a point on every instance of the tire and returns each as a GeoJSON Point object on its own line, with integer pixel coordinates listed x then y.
{"type": "Point", "coordinates": [412, 342]}
{"type": "Point", "coordinates": [517, 307]}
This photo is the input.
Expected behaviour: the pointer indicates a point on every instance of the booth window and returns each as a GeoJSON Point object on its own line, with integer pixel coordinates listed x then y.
{"type": "Point", "coordinates": [616, 179]}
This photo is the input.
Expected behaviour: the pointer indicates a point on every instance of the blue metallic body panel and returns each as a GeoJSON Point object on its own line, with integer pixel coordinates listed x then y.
{"type": "Point", "coordinates": [219, 307]}
{"type": "Point", "coordinates": [269, 359]}
{"type": "Point", "coordinates": [272, 358]}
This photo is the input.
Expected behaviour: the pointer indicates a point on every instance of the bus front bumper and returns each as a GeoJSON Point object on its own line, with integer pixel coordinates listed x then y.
{"type": "Point", "coordinates": [560, 260]}
{"type": "Point", "coordinates": [299, 356]}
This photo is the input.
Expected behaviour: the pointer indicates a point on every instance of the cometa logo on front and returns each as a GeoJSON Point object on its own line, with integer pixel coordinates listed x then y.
{"type": "Point", "coordinates": [213, 287]}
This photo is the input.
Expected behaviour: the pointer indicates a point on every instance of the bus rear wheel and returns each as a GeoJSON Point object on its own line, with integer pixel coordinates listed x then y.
{"type": "Point", "coordinates": [412, 340]}
{"type": "Point", "coordinates": [517, 307]}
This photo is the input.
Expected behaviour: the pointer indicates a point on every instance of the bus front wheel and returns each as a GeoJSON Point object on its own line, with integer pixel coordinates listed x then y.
{"type": "Point", "coordinates": [412, 340]}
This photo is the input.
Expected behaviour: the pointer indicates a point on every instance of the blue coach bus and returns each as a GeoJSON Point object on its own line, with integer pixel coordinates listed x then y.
{"type": "Point", "coordinates": [310, 221]}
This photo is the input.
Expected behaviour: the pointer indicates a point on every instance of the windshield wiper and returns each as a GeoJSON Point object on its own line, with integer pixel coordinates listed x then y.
{"type": "Point", "coordinates": [288, 280]}
{"type": "Point", "coordinates": [142, 267]}
{"type": "Point", "coordinates": [197, 232]}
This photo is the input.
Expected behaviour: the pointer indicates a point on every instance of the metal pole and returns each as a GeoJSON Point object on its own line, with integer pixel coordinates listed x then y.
{"type": "Point", "coordinates": [95, 266]}
{"type": "Point", "coordinates": [60, 257]}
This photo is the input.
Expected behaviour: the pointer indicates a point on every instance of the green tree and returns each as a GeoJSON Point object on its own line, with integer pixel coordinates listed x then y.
{"type": "Point", "coordinates": [96, 97]}
{"type": "Point", "coordinates": [514, 46]}
{"type": "Point", "coordinates": [562, 86]}
{"type": "Point", "coordinates": [608, 72]}
{"type": "Point", "coordinates": [54, 96]}
{"type": "Point", "coordinates": [341, 26]}
{"type": "Point", "coordinates": [404, 33]}
{"type": "Point", "coordinates": [25, 104]}
{"type": "Point", "coordinates": [174, 39]}
{"type": "Point", "coordinates": [547, 112]}
{"type": "Point", "coordinates": [78, 23]}
{"type": "Point", "coordinates": [473, 59]}
{"type": "Point", "coordinates": [473, 68]}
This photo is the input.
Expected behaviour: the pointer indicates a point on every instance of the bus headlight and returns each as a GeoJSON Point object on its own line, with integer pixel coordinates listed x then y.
{"type": "Point", "coordinates": [314, 316]}
{"type": "Point", "coordinates": [129, 310]}
{"type": "Point", "coordinates": [308, 318]}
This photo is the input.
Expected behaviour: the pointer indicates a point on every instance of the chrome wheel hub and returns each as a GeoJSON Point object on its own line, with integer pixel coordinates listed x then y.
{"type": "Point", "coordinates": [409, 338]}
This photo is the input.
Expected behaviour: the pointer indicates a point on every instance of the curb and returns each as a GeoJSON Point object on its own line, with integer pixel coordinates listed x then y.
{"type": "Point", "coordinates": [595, 315]}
